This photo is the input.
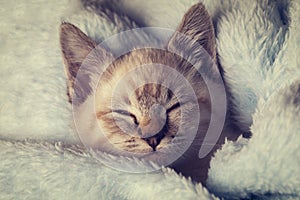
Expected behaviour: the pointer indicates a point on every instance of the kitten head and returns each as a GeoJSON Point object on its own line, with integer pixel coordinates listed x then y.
{"type": "Point", "coordinates": [143, 112]}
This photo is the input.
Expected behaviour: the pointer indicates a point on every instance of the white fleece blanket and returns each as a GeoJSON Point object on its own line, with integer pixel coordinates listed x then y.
{"type": "Point", "coordinates": [258, 46]}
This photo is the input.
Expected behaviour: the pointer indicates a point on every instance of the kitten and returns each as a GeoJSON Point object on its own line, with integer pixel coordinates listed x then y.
{"type": "Point", "coordinates": [148, 119]}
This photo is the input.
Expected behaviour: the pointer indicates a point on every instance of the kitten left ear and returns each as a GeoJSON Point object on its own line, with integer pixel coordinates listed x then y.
{"type": "Point", "coordinates": [197, 26]}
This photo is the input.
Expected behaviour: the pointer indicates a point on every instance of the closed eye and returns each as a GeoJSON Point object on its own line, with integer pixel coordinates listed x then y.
{"type": "Point", "coordinates": [126, 113]}
{"type": "Point", "coordinates": [173, 107]}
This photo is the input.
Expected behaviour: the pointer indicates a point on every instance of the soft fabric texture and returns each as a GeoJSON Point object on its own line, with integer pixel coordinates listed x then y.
{"type": "Point", "coordinates": [41, 170]}
{"type": "Point", "coordinates": [258, 47]}
{"type": "Point", "coordinates": [270, 160]}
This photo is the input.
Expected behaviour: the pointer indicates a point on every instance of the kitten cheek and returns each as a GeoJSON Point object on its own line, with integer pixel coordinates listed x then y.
{"type": "Point", "coordinates": [165, 143]}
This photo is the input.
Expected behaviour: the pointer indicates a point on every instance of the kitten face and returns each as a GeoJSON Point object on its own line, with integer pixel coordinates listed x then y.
{"type": "Point", "coordinates": [142, 118]}
{"type": "Point", "coordinates": [148, 121]}
{"type": "Point", "coordinates": [139, 115]}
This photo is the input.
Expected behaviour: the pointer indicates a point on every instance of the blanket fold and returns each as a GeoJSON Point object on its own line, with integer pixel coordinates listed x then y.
{"type": "Point", "coordinates": [258, 46]}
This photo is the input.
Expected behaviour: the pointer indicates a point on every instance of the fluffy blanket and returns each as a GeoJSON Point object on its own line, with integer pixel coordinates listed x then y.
{"type": "Point", "coordinates": [41, 156]}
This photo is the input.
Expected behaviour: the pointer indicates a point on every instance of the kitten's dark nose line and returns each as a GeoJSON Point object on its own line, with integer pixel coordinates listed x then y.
{"type": "Point", "coordinates": [152, 143]}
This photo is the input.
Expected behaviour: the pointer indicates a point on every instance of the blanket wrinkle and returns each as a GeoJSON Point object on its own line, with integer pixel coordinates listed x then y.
{"type": "Point", "coordinates": [41, 156]}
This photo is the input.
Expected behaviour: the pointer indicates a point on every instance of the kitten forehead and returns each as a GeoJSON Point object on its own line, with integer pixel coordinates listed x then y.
{"type": "Point", "coordinates": [149, 94]}
{"type": "Point", "coordinates": [140, 76]}
{"type": "Point", "coordinates": [140, 59]}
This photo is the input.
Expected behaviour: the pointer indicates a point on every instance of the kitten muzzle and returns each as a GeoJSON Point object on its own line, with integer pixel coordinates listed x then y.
{"type": "Point", "coordinates": [154, 141]}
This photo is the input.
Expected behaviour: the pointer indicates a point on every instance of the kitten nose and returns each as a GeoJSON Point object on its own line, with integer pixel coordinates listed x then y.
{"type": "Point", "coordinates": [151, 137]}
{"type": "Point", "coordinates": [152, 142]}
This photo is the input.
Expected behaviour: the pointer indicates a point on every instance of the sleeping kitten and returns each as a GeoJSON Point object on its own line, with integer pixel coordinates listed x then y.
{"type": "Point", "coordinates": [147, 119]}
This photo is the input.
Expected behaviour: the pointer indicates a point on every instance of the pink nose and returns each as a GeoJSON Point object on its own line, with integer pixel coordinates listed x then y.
{"type": "Point", "coordinates": [152, 142]}
{"type": "Point", "coordinates": [153, 123]}
{"type": "Point", "coordinates": [150, 127]}
{"type": "Point", "coordinates": [152, 135]}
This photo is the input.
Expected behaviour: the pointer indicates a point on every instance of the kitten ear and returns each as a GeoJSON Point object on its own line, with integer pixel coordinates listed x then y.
{"type": "Point", "coordinates": [196, 25]}
{"type": "Point", "coordinates": [76, 48]}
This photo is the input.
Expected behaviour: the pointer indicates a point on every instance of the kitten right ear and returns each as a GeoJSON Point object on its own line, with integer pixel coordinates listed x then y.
{"type": "Point", "coordinates": [196, 25]}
